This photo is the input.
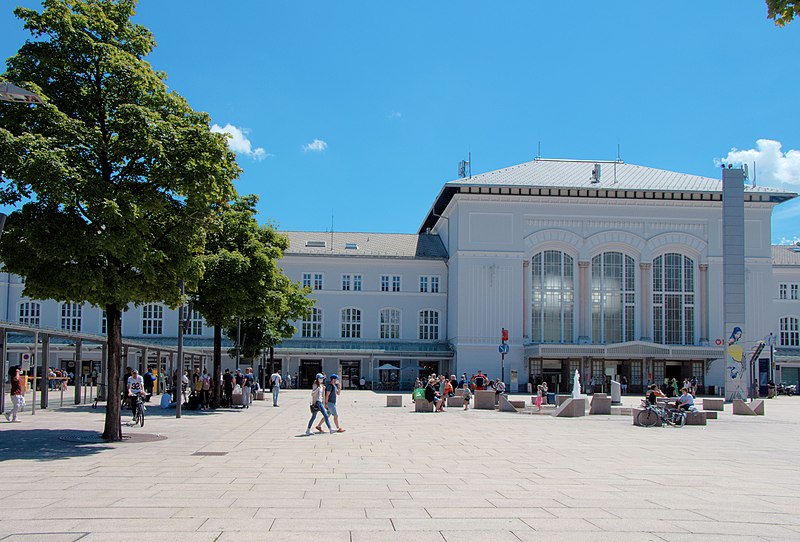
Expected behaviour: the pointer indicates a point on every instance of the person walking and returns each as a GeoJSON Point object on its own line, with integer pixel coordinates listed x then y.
{"type": "Point", "coordinates": [275, 381]}
{"type": "Point", "coordinates": [17, 398]}
{"type": "Point", "coordinates": [332, 391]}
{"type": "Point", "coordinates": [539, 395]}
{"type": "Point", "coordinates": [227, 387]}
{"type": "Point", "coordinates": [205, 389]}
{"type": "Point", "coordinates": [247, 388]}
{"type": "Point", "coordinates": [317, 397]}
{"type": "Point", "coordinates": [467, 394]}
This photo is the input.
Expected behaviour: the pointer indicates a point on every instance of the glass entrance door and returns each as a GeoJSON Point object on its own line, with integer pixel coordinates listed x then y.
{"type": "Point", "coordinates": [351, 374]}
{"type": "Point", "coordinates": [308, 371]}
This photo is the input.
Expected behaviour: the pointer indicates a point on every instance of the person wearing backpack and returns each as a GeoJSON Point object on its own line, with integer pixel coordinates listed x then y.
{"type": "Point", "coordinates": [332, 391]}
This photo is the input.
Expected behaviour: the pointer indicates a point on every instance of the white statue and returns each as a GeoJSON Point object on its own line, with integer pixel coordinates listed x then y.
{"type": "Point", "coordinates": [576, 385]}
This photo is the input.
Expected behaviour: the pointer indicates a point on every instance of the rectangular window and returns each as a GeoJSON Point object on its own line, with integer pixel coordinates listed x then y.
{"type": "Point", "coordinates": [356, 283]}
{"type": "Point", "coordinates": [306, 280]}
{"type": "Point", "coordinates": [346, 283]}
{"type": "Point", "coordinates": [783, 291]}
{"type": "Point", "coordinates": [390, 324]}
{"type": "Point", "coordinates": [434, 285]}
{"type": "Point", "coordinates": [429, 325]}
{"type": "Point", "coordinates": [384, 283]}
{"type": "Point", "coordinates": [71, 317]}
{"type": "Point", "coordinates": [29, 314]}
{"type": "Point", "coordinates": [104, 324]}
{"type": "Point", "coordinates": [318, 281]}
{"type": "Point", "coordinates": [395, 283]}
{"type": "Point", "coordinates": [793, 292]}
{"type": "Point", "coordinates": [152, 320]}
{"type": "Point", "coordinates": [697, 372]}
{"type": "Point", "coordinates": [195, 326]}
{"type": "Point", "coordinates": [636, 373]}
{"type": "Point", "coordinates": [423, 284]}
{"type": "Point", "coordinates": [311, 326]}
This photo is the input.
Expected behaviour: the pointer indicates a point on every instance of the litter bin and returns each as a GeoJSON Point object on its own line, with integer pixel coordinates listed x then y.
{"type": "Point", "coordinates": [551, 398]}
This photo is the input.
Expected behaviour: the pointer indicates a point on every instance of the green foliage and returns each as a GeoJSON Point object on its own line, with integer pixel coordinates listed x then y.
{"type": "Point", "coordinates": [782, 11]}
{"type": "Point", "coordinates": [118, 174]}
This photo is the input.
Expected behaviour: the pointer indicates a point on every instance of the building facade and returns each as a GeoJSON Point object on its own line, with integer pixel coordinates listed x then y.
{"type": "Point", "coordinates": [607, 268]}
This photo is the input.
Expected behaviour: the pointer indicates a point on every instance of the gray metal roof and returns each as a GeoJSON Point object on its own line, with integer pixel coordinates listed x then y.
{"type": "Point", "coordinates": [371, 245]}
{"type": "Point", "coordinates": [786, 255]}
{"type": "Point", "coordinates": [552, 173]}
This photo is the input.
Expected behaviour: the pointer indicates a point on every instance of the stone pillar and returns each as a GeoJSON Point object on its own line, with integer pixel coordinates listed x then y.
{"type": "Point", "coordinates": [526, 300]}
{"type": "Point", "coordinates": [646, 305]}
{"type": "Point", "coordinates": [702, 300]}
{"type": "Point", "coordinates": [584, 306]}
{"type": "Point", "coordinates": [78, 370]}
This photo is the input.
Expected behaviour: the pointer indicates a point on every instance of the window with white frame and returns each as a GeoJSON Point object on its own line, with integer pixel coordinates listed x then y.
{"type": "Point", "coordinates": [428, 325]}
{"type": "Point", "coordinates": [793, 292]}
{"type": "Point", "coordinates": [390, 323]}
{"type": "Point", "coordinates": [318, 281]}
{"type": "Point", "coordinates": [395, 283]}
{"type": "Point", "coordinates": [356, 283]}
{"type": "Point", "coordinates": [434, 285]}
{"type": "Point", "coordinates": [195, 326]}
{"type": "Point", "coordinates": [311, 325]}
{"type": "Point", "coordinates": [104, 323]}
{"type": "Point", "coordinates": [152, 320]}
{"type": "Point", "coordinates": [552, 297]}
{"type": "Point", "coordinates": [306, 280]}
{"type": "Point", "coordinates": [429, 284]}
{"type": "Point", "coordinates": [783, 291]}
{"type": "Point", "coordinates": [346, 282]}
{"type": "Point", "coordinates": [384, 283]}
{"type": "Point", "coordinates": [673, 299]}
{"type": "Point", "coordinates": [29, 313]}
{"type": "Point", "coordinates": [613, 297]}
{"type": "Point", "coordinates": [351, 324]}
{"type": "Point", "coordinates": [790, 331]}
{"type": "Point", "coordinates": [423, 284]}
{"type": "Point", "coordinates": [71, 317]}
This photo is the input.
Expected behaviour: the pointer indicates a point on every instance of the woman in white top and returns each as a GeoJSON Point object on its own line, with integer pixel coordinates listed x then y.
{"type": "Point", "coordinates": [317, 399]}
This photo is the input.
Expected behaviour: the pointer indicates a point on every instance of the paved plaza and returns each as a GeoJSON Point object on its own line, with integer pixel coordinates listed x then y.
{"type": "Point", "coordinates": [396, 475]}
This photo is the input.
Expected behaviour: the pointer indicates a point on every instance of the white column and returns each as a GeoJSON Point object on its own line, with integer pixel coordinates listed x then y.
{"type": "Point", "coordinates": [526, 300]}
{"type": "Point", "coordinates": [584, 310]}
{"type": "Point", "coordinates": [702, 300]}
{"type": "Point", "coordinates": [646, 305]}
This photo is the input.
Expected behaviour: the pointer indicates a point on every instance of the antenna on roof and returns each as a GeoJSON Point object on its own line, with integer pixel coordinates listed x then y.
{"type": "Point", "coordinates": [539, 151]}
{"type": "Point", "coordinates": [331, 230]}
{"type": "Point", "coordinates": [465, 166]}
{"type": "Point", "coordinates": [618, 158]}
{"type": "Point", "coordinates": [754, 174]}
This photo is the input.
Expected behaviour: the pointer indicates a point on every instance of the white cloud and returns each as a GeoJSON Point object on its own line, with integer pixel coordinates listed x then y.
{"type": "Point", "coordinates": [773, 167]}
{"type": "Point", "coordinates": [238, 141]}
{"type": "Point", "coordinates": [316, 146]}
{"type": "Point", "coordinates": [395, 115]}
{"type": "Point", "coordinates": [789, 240]}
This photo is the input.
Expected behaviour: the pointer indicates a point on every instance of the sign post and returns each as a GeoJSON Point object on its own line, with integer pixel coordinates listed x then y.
{"type": "Point", "coordinates": [503, 349]}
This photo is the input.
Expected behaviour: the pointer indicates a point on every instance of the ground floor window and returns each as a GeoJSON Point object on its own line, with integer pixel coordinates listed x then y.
{"type": "Point", "coordinates": [658, 372]}
{"type": "Point", "coordinates": [636, 373]}
{"type": "Point", "coordinates": [350, 374]}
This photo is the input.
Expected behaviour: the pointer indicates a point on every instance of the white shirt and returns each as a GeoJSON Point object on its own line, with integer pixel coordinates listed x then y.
{"type": "Point", "coordinates": [276, 379]}
{"type": "Point", "coordinates": [136, 384]}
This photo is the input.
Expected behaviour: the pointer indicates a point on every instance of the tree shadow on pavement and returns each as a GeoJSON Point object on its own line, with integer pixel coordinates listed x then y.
{"type": "Point", "coordinates": [49, 444]}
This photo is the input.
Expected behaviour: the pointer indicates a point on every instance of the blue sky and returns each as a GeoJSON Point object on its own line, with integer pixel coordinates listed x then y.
{"type": "Point", "coordinates": [362, 110]}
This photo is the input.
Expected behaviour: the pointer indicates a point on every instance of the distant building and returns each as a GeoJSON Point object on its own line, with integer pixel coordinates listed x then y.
{"type": "Point", "coordinates": [609, 268]}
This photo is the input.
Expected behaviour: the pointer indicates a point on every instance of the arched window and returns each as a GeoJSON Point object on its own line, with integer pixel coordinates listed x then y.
{"type": "Point", "coordinates": [390, 323]}
{"type": "Point", "coordinates": [552, 297]}
{"type": "Point", "coordinates": [152, 320]}
{"type": "Point", "coordinates": [790, 331]}
{"type": "Point", "coordinates": [429, 325]}
{"type": "Point", "coordinates": [311, 326]}
{"type": "Point", "coordinates": [673, 299]}
{"type": "Point", "coordinates": [29, 313]}
{"type": "Point", "coordinates": [613, 297]}
{"type": "Point", "coordinates": [71, 317]}
{"type": "Point", "coordinates": [351, 324]}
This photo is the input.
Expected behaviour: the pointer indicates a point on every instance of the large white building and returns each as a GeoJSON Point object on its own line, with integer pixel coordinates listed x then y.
{"type": "Point", "coordinates": [609, 268]}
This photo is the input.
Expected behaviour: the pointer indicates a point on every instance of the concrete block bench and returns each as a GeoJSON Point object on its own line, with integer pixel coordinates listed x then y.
{"type": "Point", "coordinates": [600, 404]}
{"type": "Point", "coordinates": [710, 414]}
{"type": "Point", "coordinates": [571, 408]}
{"type": "Point", "coordinates": [758, 406]}
{"type": "Point", "coordinates": [394, 400]}
{"type": "Point", "coordinates": [484, 400]}
{"type": "Point", "coordinates": [237, 399]}
{"type": "Point", "coordinates": [740, 408]}
{"type": "Point", "coordinates": [635, 413]}
{"type": "Point", "coordinates": [517, 404]}
{"type": "Point", "coordinates": [696, 418]}
{"type": "Point", "coordinates": [455, 401]}
{"type": "Point", "coordinates": [506, 405]}
{"type": "Point", "coordinates": [713, 404]}
{"type": "Point", "coordinates": [259, 396]}
{"type": "Point", "coordinates": [560, 399]}
{"type": "Point", "coordinates": [421, 405]}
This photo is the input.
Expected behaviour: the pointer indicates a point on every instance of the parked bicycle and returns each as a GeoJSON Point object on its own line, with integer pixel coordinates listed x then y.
{"type": "Point", "coordinates": [653, 415]}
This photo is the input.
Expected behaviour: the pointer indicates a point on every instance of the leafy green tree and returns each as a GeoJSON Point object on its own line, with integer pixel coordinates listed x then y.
{"type": "Point", "coordinates": [119, 174]}
{"type": "Point", "coordinates": [242, 279]}
{"type": "Point", "coordinates": [782, 11]}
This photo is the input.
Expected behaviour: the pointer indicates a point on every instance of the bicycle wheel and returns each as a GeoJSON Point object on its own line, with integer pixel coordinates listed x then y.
{"type": "Point", "coordinates": [140, 414]}
{"type": "Point", "coordinates": [647, 418]}
{"type": "Point", "coordinates": [679, 419]}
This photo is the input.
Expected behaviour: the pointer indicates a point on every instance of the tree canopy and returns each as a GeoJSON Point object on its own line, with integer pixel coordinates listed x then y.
{"type": "Point", "coordinates": [782, 11]}
{"type": "Point", "coordinates": [118, 174]}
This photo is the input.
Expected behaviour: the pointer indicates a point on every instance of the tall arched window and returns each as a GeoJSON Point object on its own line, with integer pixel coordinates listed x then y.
{"type": "Point", "coordinates": [552, 297]}
{"type": "Point", "coordinates": [29, 313]}
{"type": "Point", "coordinates": [429, 325]}
{"type": "Point", "coordinates": [790, 331]}
{"type": "Point", "coordinates": [613, 297]}
{"type": "Point", "coordinates": [673, 299]}
{"type": "Point", "coordinates": [71, 317]}
{"type": "Point", "coordinates": [351, 324]}
{"type": "Point", "coordinates": [390, 323]}
{"type": "Point", "coordinates": [311, 326]}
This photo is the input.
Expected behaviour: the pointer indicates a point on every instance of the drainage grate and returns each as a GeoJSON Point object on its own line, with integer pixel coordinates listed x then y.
{"type": "Point", "coordinates": [210, 453]}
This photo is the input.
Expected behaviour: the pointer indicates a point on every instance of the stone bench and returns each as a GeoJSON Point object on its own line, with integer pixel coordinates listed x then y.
{"type": "Point", "coordinates": [484, 400]}
{"type": "Point", "coordinates": [237, 399]}
{"type": "Point", "coordinates": [259, 396]}
{"type": "Point", "coordinates": [508, 406]}
{"type": "Point", "coordinates": [600, 404]}
{"type": "Point", "coordinates": [560, 399]}
{"type": "Point", "coordinates": [422, 405]}
{"type": "Point", "coordinates": [394, 400]}
{"type": "Point", "coordinates": [455, 401]}
{"type": "Point", "coordinates": [696, 418]}
{"type": "Point", "coordinates": [710, 414]}
{"type": "Point", "coordinates": [517, 404]}
{"type": "Point", "coordinates": [571, 408]}
{"type": "Point", "coordinates": [713, 404]}
{"type": "Point", "coordinates": [754, 408]}
{"type": "Point", "coordinates": [635, 413]}
{"type": "Point", "coordinates": [758, 406]}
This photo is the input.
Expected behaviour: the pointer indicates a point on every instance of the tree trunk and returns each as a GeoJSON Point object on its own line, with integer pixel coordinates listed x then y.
{"type": "Point", "coordinates": [113, 425]}
{"type": "Point", "coordinates": [217, 366]}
